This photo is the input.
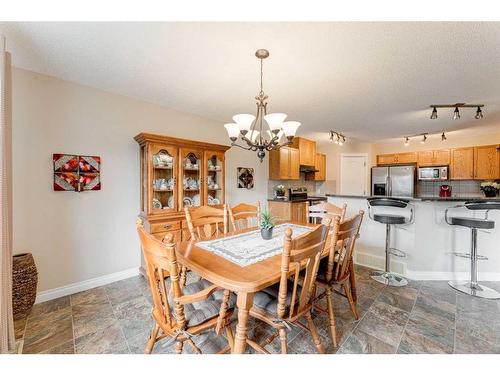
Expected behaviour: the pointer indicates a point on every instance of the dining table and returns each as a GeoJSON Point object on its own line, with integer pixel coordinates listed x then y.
{"type": "Point", "coordinates": [243, 280]}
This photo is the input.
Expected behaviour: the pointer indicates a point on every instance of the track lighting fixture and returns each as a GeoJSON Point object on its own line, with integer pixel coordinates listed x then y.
{"type": "Point", "coordinates": [443, 137]}
{"type": "Point", "coordinates": [407, 141]}
{"type": "Point", "coordinates": [456, 112]}
{"type": "Point", "coordinates": [434, 114]}
{"type": "Point", "coordinates": [337, 138]}
{"type": "Point", "coordinates": [424, 138]}
{"type": "Point", "coordinates": [479, 113]}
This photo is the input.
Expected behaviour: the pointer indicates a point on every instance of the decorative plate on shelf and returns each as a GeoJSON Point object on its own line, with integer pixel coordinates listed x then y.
{"type": "Point", "coordinates": [157, 204]}
{"type": "Point", "coordinates": [170, 202]}
{"type": "Point", "coordinates": [215, 201]}
{"type": "Point", "coordinates": [196, 199]}
{"type": "Point", "coordinates": [188, 202]}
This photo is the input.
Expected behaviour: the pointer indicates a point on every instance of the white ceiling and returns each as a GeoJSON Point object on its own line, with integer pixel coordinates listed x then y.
{"type": "Point", "coordinates": [370, 81]}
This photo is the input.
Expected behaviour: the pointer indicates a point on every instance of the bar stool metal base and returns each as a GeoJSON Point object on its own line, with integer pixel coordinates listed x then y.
{"type": "Point", "coordinates": [474, 289]}
{"type": "Point", "coordinates": [389, 278]}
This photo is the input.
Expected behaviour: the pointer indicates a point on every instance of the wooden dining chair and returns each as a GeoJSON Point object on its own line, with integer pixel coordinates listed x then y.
{"type": "Point", "coordinates": [205, 222]}
{"type": "Point", "coordinates": [325, 209]}
{"type": "Point", "coordinates": [181, 312]}
{"type": "Point", "coordinates": [336, 269]}
{"type": "Point", "coordinates": [242, 215]}
{"type": "Point", "coordinates": [286, 302]}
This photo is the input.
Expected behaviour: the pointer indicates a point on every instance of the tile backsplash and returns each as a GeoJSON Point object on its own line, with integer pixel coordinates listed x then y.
{"type": "Point", "coordinates": [312, 186]}
{"type": "Point", "coordinates": [458, 188]}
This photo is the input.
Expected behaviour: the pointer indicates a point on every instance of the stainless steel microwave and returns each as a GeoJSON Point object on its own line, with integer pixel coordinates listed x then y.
{"type": "Point", "coordinates": [433, 173]}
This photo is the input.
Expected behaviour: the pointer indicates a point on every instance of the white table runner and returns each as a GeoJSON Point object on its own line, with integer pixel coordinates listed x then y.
{"type": "Point", "coordinates": [248, 248]}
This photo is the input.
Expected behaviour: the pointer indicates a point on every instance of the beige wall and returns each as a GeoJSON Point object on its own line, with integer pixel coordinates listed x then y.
{"type": "Point", "coordinates": [79, 236]}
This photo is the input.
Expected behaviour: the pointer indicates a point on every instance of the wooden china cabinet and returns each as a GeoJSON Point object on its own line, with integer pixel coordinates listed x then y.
{"type": "Point", "coordinates": [176, 173]}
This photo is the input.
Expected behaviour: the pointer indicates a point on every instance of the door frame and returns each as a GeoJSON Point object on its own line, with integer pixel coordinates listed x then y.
{"type": "Point", "coordinates": [342, 158]}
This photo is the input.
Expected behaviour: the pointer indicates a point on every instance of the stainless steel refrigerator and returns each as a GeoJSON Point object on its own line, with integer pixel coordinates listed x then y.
{"type": "Point", "coordinates": [393, 181]}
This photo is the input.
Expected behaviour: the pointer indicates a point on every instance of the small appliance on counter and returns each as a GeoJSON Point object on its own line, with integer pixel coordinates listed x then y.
{"type": "Point", "coordinates": [445, 191]}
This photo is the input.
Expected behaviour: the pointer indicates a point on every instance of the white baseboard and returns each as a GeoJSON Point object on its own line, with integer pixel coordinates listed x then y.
{"type": "Point", "coordinates": [377, 262]}
{"type": "Point", "coordinates": [66, 290]}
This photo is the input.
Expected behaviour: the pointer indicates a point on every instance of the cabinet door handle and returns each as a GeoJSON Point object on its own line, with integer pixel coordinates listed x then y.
{"type": "Point", "coordinates": [167, 226]}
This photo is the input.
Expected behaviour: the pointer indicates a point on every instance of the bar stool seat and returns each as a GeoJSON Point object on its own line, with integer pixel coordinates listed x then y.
{"type": "Point", "coordinates": [389, 219]}
{"type": "Point", "coordinates": [470, 222]}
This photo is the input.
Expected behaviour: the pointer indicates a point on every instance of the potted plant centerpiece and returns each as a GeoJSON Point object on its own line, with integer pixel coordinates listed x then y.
{"type": "Point", "coordinates": [280, 191]}
{"type": "Point", "coordinates": [490, 188]}
{"type": "Point", "coordinates": [266, 225]}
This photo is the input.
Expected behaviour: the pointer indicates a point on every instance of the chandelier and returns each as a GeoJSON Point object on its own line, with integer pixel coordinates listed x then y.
{"type": "Point", "coordinates": [250, 127]}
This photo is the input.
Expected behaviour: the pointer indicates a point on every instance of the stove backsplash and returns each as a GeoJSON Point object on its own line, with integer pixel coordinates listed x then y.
{"type": "Point", "coordinates": [458, 188]}
{"type": "Point", "coordinates": [310, 185]}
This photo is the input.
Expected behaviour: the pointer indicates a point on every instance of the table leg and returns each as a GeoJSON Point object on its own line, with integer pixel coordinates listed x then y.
{"type": "Point", "coordinates": [244, 303]}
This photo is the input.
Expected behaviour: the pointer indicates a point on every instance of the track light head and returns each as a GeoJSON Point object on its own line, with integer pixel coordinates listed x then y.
{"type": "Point", "coordinates": [407, 141]}
{"type": "Point", "coordinates": [443, 137]}
{"type": "Point", "coordinates": [434, 114]}
{"type": "Point", "coordinates": [424, 138]}
{"type": "Point", "coordinates": [456, 114]}
{"type": "Point", "coordinates": [479, 113]}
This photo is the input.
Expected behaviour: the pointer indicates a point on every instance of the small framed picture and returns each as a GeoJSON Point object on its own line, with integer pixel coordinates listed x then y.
{"type": "Point", "coordinates": [245, 178]}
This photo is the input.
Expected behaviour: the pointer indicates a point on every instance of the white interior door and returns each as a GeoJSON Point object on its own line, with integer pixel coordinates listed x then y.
{"type": "Point", "coordinates": [353, 174]}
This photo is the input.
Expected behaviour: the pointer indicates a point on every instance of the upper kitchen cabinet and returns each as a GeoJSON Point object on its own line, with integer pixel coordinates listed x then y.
{"type": "Point", "coordinates": [401, 158]}
{"type": "Point", "coordinates": [284, 164]}
{"type": "Point", "coordinates": [462, 163]}
{"type": "Point", "coordinates": [307, 150]}
{"type": "Point", "coordinates": [487, 162]}
{"type": "Point", "coordinates": [433, 158]}
{"type": "Point", "coordinates": [320, 166]}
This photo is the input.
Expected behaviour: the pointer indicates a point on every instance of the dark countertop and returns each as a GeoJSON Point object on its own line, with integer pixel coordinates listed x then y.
{"type": "Point", "coordinates": [315, 198]}
{"type": "Point", "coordinates": [423, 198]}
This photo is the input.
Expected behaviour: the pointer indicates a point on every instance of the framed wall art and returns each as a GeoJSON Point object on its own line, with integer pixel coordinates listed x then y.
{"type": "Point", "coordinates": [245, 178]}
{"type": "Point", "coordinates": [76, 172]}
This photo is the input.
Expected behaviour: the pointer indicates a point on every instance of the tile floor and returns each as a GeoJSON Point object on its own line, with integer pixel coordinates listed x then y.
{"type": "Point", "coordinates": [424, 317]}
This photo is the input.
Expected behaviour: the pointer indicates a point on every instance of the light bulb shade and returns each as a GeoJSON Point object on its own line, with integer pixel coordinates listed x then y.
{"type": "Point", "coordinates": [272, 135]}
{"type": "Point", "coordinates": [290, 128]}
{"type": "Point", "coordinates": [244, 121]}
{"type": "Point", "coordinates": [253, 135]}
{"type": "Point", "coordinates": [275, 120]}
{"type": "Point", "coordinates": [479, 113]}
{"type": "Point", "coordinates": [233, 130]}
{"type": "Point", "coordinates": [407, 141]}
{"type": "Point", "coordinates": [456, 114]}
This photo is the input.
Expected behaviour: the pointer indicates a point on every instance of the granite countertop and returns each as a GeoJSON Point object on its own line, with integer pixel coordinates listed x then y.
{"type": "Point", "coordinates": [422, 198]}
{"type": "Point", "coordinates": [286, 200]}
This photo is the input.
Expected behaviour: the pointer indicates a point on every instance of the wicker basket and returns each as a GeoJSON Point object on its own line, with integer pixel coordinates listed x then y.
{"type": "Point", "coordinates": [24, 282]}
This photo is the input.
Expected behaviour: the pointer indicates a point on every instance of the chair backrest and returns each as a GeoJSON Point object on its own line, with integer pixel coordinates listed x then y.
{"type": "Point", "coordinates": [304, 250]}
{"type": "Point", "coordinates": [326, 209]}
{"type": "Point", "coordinates": [341, 247]}
{"type": "Point", "coordinates": [206, 222]}
{"type": "Point", "coordinates": [160, 261]}
{"type": "Point", "coordinates": [483, 205]}
{"type": "Point", "coordinates": [242, 215]}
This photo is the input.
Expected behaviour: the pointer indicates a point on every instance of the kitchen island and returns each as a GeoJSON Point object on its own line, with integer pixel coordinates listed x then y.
{"type": "Point", "coordinates": [429, 241]}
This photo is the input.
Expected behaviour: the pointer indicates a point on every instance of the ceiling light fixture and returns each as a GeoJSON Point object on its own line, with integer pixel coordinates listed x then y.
{"type": "Point", "coordinates": [250, 127]}
{"type": "Point", "coordinates": [407, 141]}
{"type": "Point", "coordinates": [434, 114]}
{"type": "Point", "coordinates": [479, 113]}
{"type": "Point", "coordinates": [456, 112]}
{"type": "Point", "coordinates": [337, 138]}
{"type": "Point", "coordinates": [443, 137]}
{"type": "Point", "coordinates": [424, 138]}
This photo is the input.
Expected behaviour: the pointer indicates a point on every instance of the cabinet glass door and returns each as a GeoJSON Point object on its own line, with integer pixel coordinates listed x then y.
{"type": "Point", "coordinates": [163, 179]}
{"type": "Point", "coordinates": [214, 181]}
{"type": "Point", "coordinates": [191, 170]}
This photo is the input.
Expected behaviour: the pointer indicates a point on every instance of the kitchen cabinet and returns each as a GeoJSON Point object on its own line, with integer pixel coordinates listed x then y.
{"type": "Point", "coordinates": [487, 162]}
{"type": "Point", "coordinates": [320, 166]}
{"type": "Point", "coordinates": [400, 158]}
{"type": "Point", "coordinates": [287, 211]}
{"type": "Point", "coordinates": [284, 164]}
{"type": "Point", "coordinates": [433, 158]}
{"type": "Point", "coordinates": [307, 150]}
{"type": "Point", "coordinates": [462, 163]}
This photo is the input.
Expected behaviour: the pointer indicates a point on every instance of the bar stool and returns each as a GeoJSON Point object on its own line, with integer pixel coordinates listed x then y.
{"type": "Point", "coordinates": [387, 277]}
{"type": "Point", "coordinates": [472, 287]}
